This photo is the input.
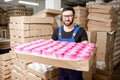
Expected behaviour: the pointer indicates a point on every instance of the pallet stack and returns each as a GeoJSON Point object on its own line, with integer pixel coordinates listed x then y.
{"type": "Point", "coordinates": [29, 28]}
{"type": "Point", "coordinates": [27, 70]}
{"type": "Point", "coordinates": [103, 20]}
{"type": "Point", "coordinates": [116, 53]}
{"type": "Point", "coordinates": [26, 29]}
{"type": "Point", "coordinates": [5, 66]}
{"type": "Point", "coordinates": [19, 10]}
{"type": "Point", "coordinates": [49, 13]}
{"type": "Point", "coordinates": [3, 24]}
{"type": "Point", "coordinates": [3, 17]}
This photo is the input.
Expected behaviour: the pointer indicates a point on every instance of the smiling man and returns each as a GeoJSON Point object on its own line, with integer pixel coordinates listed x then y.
{"type": "Point", "coordinates": [69, 32]}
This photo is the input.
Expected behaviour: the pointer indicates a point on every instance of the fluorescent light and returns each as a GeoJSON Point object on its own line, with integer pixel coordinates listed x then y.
{"type": "Point", "coordinates": [7, 0]}
{"type": "Point", "coordinates": [29, 3]}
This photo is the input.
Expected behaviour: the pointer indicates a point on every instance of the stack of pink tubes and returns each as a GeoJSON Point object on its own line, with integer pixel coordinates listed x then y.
{"type": "Point", "coordinates": [57, 49]}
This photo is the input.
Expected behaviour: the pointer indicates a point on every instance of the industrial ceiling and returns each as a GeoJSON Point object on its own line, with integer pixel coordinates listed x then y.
{"type": "Point", "coordinates": [4, 4]}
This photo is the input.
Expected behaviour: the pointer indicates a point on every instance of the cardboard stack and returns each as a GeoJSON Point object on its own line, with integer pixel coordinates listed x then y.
{"type": "Point", "coordinates": [26, 70]}
{"type": "Point", "coordinates": [49, 13]}
{"type": "Point", "coordinates": [81, 16]}
{"type": "Point", "coordinates": [5, 66]}
{"type": "Point", "coordinates": [92, 35]}
{"type": "Point", "coordinates": [103, 21]}
{"type": "Point", "coordinates": [28, 28]}
{"type": "Point", "coordinates": [116, 53]}
{"type": "Point", "coordinates": [101, 75]}
{"type": "Point", "coordinates": [101, 18]}
{"type": "Point", "coordinates": [19, 10]}
{"type": "Point", "coordinates": [105, 43]}
{"type": "Point", "coordinates": [19, 67]}
{"type": "Point", "coordinates": [3, 24]}
{"type": "Point", "coordinates": [3, 17]}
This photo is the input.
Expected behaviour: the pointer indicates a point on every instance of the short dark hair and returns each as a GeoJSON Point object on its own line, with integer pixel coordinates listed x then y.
{"type": "Point", "coordinates": [69, 8]}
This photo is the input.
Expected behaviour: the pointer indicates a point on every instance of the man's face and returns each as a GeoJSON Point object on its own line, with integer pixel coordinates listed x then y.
{"type": "Point", "coordinates": [67, 17]}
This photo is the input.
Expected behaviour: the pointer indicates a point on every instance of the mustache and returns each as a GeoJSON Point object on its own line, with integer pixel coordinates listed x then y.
{"type": "Point", "coordinates": [67, 20]}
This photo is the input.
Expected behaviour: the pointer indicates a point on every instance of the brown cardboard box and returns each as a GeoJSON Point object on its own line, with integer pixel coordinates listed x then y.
{"type": "Point", "coordinates": [108, 16]}
{"type": "Point", "coordinates": [16, 75]}
{"type": "Point", "coordinates": [105, 43]}
{"type": "Point", "coordinates": [48, 13]}
{"type": "Point", "coordinates": [19, 27]}
{"type": "Point", "coordinates": [81, 14]}
{"type": "Point", "coordinates": [28, 28]}
{"type": "Point", "coordinates": [101, 75]}
{"type": "Point", "coordinates": [102, 17]}
{"type": "Point", "coordinates": [92, 27]}
{"type": "Point", "coordinates": [4, 57]}
{"type": "Point", "coordinates": [5, 72]}
{"type": "Point", "coordinates": [101, 6]}
{"type": "Point", "coordinates": [100, 23]}
{"type": "Point", "coordinates": [30, 76]}
{"type": "Point", "coordinates": [99, 18]}
{"type": "Point", "coordinates": [81, 21]}
{"type": "Point", "coordinates": [20, 33]}
{"type": "Point", "coordinates": [38, 30]}
{"type": "Point", "coordinates": [25, 27]}
{"type": "Point", "coordinates": [7, 79]}
{"type": "Point", "coordinates": [6, 63]}
{"type": "Point", "coordinates": [105, 37]}
{"type": "Point", "coordinates": [44, 75]}
{"type": "Point", "coordinates": [88, 75]}
{"type": "Point", "coordinates": [13, 55]}
{"type": "Point", "coordinates": [92, 35]}
{"type": "Point", "coordinates": [21, 63]}
{"type": "Point", "coordinates": [2, 76]}
{"type": "Point", "coordinates": [31, 19]}
{"type": "Point", "coordinates": [20, 39]}
{"type": "Point", "coordinates": [19, 69]}
{"type": "Point", "coordinates": [100, 11]}
{"type": "Point", "coordinates": [80, 8]}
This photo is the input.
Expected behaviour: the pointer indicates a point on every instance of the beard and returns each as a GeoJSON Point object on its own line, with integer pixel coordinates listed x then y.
{"type": "Point", "coordinates": [68, 23]}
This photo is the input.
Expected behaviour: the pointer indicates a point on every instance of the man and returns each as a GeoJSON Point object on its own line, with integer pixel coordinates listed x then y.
{"type": "Point", "coordinates": [69, 32]}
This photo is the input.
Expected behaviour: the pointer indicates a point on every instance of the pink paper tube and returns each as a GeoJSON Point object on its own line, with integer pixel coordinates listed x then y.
{"type": "Point", "coordinates": [47, 52]}
{"type": "Point", "coordinates": [37, 51]}
{"type": "Point", "coordinates": [82, 57]}
{"type": "Point", "coordinates": [70, 55]}
{"type": "Point", "coordinates": [58, 54]}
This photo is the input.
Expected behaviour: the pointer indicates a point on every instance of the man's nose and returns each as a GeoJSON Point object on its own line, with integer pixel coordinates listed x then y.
{"type": "Point", "coordinates": [67, 18]}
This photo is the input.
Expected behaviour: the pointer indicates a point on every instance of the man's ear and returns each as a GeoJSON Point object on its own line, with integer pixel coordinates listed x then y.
{"type": "Point", "coordinates": [60, 17]}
